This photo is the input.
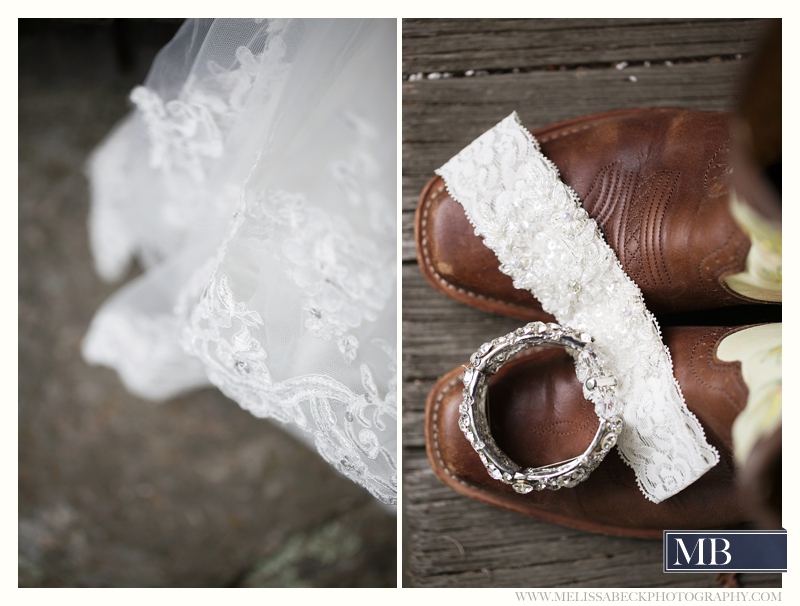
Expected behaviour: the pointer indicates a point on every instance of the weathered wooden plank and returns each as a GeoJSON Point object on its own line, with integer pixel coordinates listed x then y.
{"type": "Point", "coordinates": [440, 333]}
{"type": "Point", "coordinates": [441, 117]}
{"type": "Point", "coordinates": [409, 251]}
{"type": "Point", "coordinates": [416, 391]}
{"type": "Point", "coordinates": [458, 542]}
{"type": "Point", "coordinates": [476, 44]}
{"type": "Point", "coordinates": [415, 394]}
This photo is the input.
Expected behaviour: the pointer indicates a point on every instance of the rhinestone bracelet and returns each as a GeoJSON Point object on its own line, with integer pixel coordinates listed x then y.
{"type": "Point", "coordinates": [598, 386]}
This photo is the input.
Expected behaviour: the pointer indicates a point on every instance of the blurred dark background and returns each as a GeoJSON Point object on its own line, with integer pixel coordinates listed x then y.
{"type": "Point", "coordinates": [113, 490]}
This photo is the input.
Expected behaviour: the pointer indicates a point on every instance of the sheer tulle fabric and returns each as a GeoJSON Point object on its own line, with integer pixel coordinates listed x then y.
{"type": "Point", "coordinates": [255, 185]}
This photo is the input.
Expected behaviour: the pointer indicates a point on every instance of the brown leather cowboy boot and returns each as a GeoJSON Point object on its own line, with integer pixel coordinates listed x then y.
{"type": "Point", "coordinates": [657, 182]}
{"type": "Point", "coordinates": [538, 416]}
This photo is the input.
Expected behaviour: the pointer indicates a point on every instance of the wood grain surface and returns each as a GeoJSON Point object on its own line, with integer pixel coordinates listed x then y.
{"type": "Point", "coordinates": [460, 78]}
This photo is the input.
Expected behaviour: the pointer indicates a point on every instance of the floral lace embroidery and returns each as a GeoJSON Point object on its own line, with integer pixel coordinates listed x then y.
{"type": "Point", "coordinates": [548, 244]}
{"type": "Point", "coordinates": [342, 275]}
{"type": "Point", "coordinates": [348, 428]}
{"type": "Point", "coordinates": [186, 131]}
{"type": "Point", "coordinates": [181, 133]}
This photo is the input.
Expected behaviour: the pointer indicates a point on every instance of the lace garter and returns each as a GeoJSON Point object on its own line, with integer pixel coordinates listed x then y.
{"type": "Point", "coordinates": [548, 244]}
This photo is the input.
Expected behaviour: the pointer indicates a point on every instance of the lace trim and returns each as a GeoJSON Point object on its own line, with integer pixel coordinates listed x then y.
{"type": "Point", "coordinates": [343, 282]}
{"type": "Point", "coordinates": [348, 428]}
{"type": "Point", "coordinates": [548, 244]}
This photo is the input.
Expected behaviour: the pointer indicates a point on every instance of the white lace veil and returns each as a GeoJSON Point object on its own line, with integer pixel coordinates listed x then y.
{"type": "Point", "coordinates": [255, 183]}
